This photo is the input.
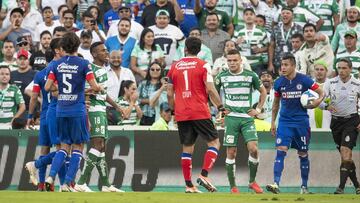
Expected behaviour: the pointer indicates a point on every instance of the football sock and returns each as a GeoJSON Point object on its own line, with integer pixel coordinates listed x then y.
{"type": "Point", "coordinates": [63, 170]}
{"type": "Point", "coordinates": [253, 166]}
{"type": "Point", "coordinates": [42, 171]}
{"type": "Point", "coordinates": [186, 165]}
{"type": "Point", "coordinates": [89, 164]}
{"type": "Point", "coordinates": [304, 169]}
{"type": "Point", "coordinates": [231, 168]}
{"type": "Point", "coordinates": [352, 175]}
{"type": "Point", "coordinates": [279, 165]}
{"type": "Point", "coordinates": [209, 160]}
{"type": "Point", "coordinates": [57, 162]}
{"type": "Point", "coordinates": [344, 173]}
{"type": "Point", "coordinates": [44, 160]}
{"type": "Point", "coordinates": [102, 168]}
{"type": "Point", "coordinates": [75, 159]}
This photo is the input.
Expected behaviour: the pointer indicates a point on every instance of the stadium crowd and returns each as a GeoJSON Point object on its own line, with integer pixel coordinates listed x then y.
{"type": "Point", "coordinates": [132, 45]}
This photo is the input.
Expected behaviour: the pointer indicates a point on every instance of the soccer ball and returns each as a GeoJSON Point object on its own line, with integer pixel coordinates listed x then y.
{"type": "Point", "coordinates": [308, 97]}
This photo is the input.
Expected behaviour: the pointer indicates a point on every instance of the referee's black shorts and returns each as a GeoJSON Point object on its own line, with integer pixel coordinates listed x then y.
{"type": "Point", "coordinates": [344, 130]}
{"type": "Point", "coordinates": [190, 130]}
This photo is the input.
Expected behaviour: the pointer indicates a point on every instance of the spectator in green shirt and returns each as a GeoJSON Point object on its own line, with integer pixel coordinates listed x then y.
{"type": "Point", "coordinates": [165, 117]}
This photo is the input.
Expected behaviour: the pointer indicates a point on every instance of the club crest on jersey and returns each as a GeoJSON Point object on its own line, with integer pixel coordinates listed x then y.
{"type": "Point", "coordinates": [299, 86]}
{"type": "Point", "coordinates": [278, 141]}
{"type": "Point", "coordinates": [230, 139]}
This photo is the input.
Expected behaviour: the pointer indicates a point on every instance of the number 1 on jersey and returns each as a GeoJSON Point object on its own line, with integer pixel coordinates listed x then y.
{"type": "Point", "coordinates": [186, 80]}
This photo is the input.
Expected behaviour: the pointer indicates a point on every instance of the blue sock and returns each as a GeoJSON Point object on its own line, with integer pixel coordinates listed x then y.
{"type": "Point", "coordinates": [42, 170]}
{"type": "Point", "coordinates": [73, 167]}
{"type": "Point", "coordinates": [63, 170]}
{"type": "Point", "coordinates": [44, 160]}
{"type": "Point", "coordinates": [305, 169]}
{"type": "Point", "coordinates": [57, 162]}
{"type": "Point", "coordinates": [279, 165]}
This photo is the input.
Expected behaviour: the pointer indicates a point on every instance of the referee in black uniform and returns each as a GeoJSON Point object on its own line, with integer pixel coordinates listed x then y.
{"type": "Point", "coordinates": [344, 91]}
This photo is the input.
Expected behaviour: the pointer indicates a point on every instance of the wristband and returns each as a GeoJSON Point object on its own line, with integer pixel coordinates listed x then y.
{"type": "Point", "coordinates": [30, 116]}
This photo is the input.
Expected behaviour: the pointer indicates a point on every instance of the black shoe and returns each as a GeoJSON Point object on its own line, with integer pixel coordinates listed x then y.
{"type": "Point", "coordinates": [357, 191]}
{"type": "Point", "coordinates": [339, 191]}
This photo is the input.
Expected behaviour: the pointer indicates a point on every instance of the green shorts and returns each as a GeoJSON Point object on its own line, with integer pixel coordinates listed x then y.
{"type": "Point", "coordinates": [235, 126]}
{"type": "Point", "coordinates": [98, 124]}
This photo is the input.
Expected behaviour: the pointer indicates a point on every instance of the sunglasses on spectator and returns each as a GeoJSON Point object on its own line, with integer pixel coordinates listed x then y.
{"type": "Point", "coordinates": [22, 44]}
{"type": "Point", "coordinates": [155, 69]}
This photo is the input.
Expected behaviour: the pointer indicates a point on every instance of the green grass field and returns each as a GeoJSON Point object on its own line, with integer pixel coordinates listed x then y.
{"type": "Point", "coordinates": [170, 197]}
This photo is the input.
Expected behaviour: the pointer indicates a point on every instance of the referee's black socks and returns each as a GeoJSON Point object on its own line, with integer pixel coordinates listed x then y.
{"type": "Point", "coordinates": [345, 168]}
{"type": "Point", "coordinates": [352, 175]}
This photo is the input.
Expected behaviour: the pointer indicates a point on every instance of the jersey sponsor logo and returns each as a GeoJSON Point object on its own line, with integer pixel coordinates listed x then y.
{"type": "Point", "coordinates": [7, 104]}
{"type": "Point", "coordinates": [291, 95]}
{"type": "Point", "coordinates": [10, 94]}
{"type": "Point", "coordinates": [66, 68]}
{"type": "Point", "coordinates": [40, 61]}
{"type": "Point", "coordinates": [68, 97]}
{"type": "Point", "coordinates": [186, 65]}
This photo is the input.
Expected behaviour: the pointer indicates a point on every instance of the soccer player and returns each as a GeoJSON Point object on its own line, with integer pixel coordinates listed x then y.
{"type": "Point", "coordinates": [191, 83]}
{"type": "Point", "coordinates": [293, 127]}
{"type": "Point", "coordinates": [238, 85]}
{"type": "Point", "coordinates": [344, 91]}
{"type": "Point", "coordinates": [70, 72]}
{"type": "Point", "coordinates": [98, 124]}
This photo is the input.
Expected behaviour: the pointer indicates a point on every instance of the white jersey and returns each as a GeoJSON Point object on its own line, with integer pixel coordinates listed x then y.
{"type": "Point", "coordinates": [343, 96]}
{"type": "Point", "coordinates": [168, 38]}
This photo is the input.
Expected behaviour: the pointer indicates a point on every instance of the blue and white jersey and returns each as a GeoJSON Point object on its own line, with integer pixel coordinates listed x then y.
{"type": "Point", "coordinates": [70, 72]}
{"type": "Point", "coordinates": [292, 113]}
{"type": "Point", "coordinates": [39, 85]}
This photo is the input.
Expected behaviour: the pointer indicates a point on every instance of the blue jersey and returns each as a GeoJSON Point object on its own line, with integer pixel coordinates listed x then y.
{"type": "Point", "coordinates": [53, 100]}
{"type": "Point", "coordinates": [39, 85]}
{"type": "Point", "coordinates": [292, 113]}
{"type": "Point", "coordinates": [70, 72]}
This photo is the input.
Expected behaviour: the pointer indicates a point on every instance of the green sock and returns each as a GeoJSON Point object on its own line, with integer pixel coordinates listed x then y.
{"type": "Point", "coordinates": [253, 165]}
{"type": "Point", "coordinates": [103, 170]}
{"type": "Point", "coordinates": [231, 168]}
{"type": "Point", "coordinates": [89, 164]}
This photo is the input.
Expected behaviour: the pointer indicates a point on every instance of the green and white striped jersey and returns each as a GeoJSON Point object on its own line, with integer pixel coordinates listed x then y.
{"type": "Point", "coordinates": [242, 5]}
{"type": "Point", "coordinates": [301, 16]}
{"type": "Point", "coordinates": [230, 7]}
{"type": "Point", "coordinates": [132, 120]}
{"type": "Point", "coordinates": [204, 54]}
{"type": "Point", "coordinates": [10, 98]}
{"type": "Point", "coordinates": [324, 9]}
{"type": "Point", "coordinates": [338, 42]}
{"type": "Point", "coordinates": [252, 37]}
{"type": "Point", "coordinates": [354, 58]}
{"type": "Point", "coordinates": [98, 101]}
{"type": "Point", "coordinates": [238, 89]}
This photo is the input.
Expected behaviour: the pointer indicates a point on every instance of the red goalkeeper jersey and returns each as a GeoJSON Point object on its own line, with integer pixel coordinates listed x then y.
{"type": "Point", "coordinates": [189, 76]}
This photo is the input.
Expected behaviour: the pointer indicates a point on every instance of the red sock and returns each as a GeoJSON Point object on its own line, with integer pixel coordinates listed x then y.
{"type": "Point", "coordinates": [186, 164]}
{"type": "Point", "coordinates": [210, 158]}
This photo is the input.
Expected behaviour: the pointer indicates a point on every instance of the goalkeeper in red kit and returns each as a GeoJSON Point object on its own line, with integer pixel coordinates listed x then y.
{"type": "Point", "coordinates": [190, 84]}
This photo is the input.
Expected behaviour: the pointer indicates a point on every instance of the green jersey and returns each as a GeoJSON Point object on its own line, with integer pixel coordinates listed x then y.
{"type": "Point", "coordinates": [132, 120]}
{"type": "Point", "coordinates": [10, 98]}
{"type": "Point", "coordinates": [238, 89]}
{"type": "Point", "coordinates": [338, 42]}
{"type": "Point", "coordinates": [229, 7]}
{"type": "Point", "coordinates": [354, 58]}
{"type": "Point", "coordinates": [97, 102]}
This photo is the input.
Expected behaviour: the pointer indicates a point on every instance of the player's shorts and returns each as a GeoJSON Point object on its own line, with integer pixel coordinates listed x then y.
{"type": "Point", "coordinates": [344, 130]}
{"type": "Point", "coordinates": [236, 126]}
{"type": "Point", "coordinates": [293, 137]}
{"type": "Point", "coordinates": [73, 130]}
{"type": "Point", "coordinates": [52, 126]}
{"type": "Point", "coordinates": [98, 124]}
{"type": "Point", "coordinates": [44, 135]}
{"type": "Point", "coordinates": [190, 130]}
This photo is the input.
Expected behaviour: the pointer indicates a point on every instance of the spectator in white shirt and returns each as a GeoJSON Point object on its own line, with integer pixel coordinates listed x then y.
{"type": "Point", "coordinates": [89, 23]}
{"type": "Point", "coordinates": [84, 48]}
{"type": "Point", "coordinates": [48, 24]}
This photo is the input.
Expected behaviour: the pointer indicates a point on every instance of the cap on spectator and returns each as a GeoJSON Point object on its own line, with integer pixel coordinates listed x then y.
{"type": "Point", "coordinates": [124, 6]}
{"type": "Point", "coordinates": [321, 62]}
{"type": "Point", "coordinates": [351, 33]}
{"type": "Point", "coordinates": [17, 10]}
{"type": "Point", "coordinates": [267, 72]}
{"type": "Point", "coordinates": [287, 9]}
{"type": "Point", "coordinates": [249, 9]}
{"type": "Point", "coordinates": [355, 7]}
{"type": "Point", "coordinates": [22, 52]}
{"type": "Point", "coordinates": [21, 40]}
{"type": "Point", "coordinates": [165, 106]}
{"type": "Point", "coordinates": [162, 12]}
{"type": "Point", "coordinates": [86, 33]}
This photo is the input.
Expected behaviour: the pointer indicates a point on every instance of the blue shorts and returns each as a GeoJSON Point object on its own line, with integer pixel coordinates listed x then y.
{"type": "Point", "coordinates": [44, 135]}
{"type": "Point", "coordinates": [52, 125]}
{"type": "Point", "coordinates": [73, 130]}
{"type": "Point", "coordinates": [293, 137]}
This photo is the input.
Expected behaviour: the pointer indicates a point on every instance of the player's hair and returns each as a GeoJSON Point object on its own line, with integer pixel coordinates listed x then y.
{"type": "Point", "coordinates": [124, 19]}
{"type": "Point", "coordinates": [59, 29]}
{"type": "Point", "coordinates": [68, 11]}
{"type": "Point", "coordinates": [45, 32]}
{"type": "Point", "coordinates": [18, 123]}
{"type": "Point", "coordinates": [142, 39]}
{"type": "Point", "coordinates": [233, 52]}
{"type": "Point", "coordinates": [62, 6]}
{"type": "Point", "coordinates": [212, 14]}
{"type": "Point", "coordinates": [50, 53]}
{"type": "Point", "coordinates": [125, 84]}
{"type": "Point", "coordinates": [193, 45]}
{"type": "Point", "coordinates": [347, 61]}
{"type": "Point", "coordinates": [70, 43]}
{"type": "Point", "coordinates": [309, 25]}
{"type": "Point", "coordinates": [46, 8]}
{"type": "Point", "coordinates": [94, 45]}
{"type": "Point", "coordinates": [261, 16]}
{"type": "Point", "coordinates": [298, 35]}
{"type": "Point", "coordinates": [289, 56]}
